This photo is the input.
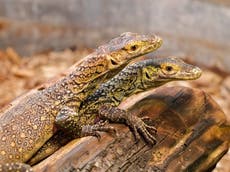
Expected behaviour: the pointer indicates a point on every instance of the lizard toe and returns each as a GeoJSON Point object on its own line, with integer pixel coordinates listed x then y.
{"type": "Point", "coordinates": [144, 130]}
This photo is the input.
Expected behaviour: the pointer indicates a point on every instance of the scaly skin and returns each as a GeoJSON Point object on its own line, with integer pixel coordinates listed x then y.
{"type": "Point", "coordinates": [138, 77]}
{"type": "Point", "coordinates": [29, 121]}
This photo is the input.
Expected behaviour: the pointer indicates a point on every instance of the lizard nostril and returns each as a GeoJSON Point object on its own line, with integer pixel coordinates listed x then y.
{"type": "Point", "coordinates": [113, 62]}
{"type": "Point", "coordinates": [197, 71]}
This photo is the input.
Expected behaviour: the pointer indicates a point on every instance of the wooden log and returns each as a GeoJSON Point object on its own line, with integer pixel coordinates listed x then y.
{"type": "Point", "coordinates": [193, 135]}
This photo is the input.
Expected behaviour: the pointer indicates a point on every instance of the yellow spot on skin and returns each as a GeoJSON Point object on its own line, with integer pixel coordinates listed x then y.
{"type": "Point", "coordinates": [20, 150]}
{"type": "Point", "coordinates": [22, 135]}
{"type": "Point", "coordinates": [26, 156]}
{"type": "Point", "coordinates": [35, 127]}
{"type": "Point", "coordinates": [13, 136]}
{"type": "Point", "coordinates": [43, 118]}
{"type": "Point", "coordinates": [12, 144]}
{"type": "Point", "coordinates": [14, 127]}
{"type": "Point", "coordinates": [10, 156]}
{"type": "Point", "coordinates": [3, 152]}
{"type": "Point", "coordinates": [4, 138]}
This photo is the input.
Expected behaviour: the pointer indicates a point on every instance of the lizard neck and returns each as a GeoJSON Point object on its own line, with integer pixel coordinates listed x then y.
{"type": "Point", "coordinates": [126, 83]}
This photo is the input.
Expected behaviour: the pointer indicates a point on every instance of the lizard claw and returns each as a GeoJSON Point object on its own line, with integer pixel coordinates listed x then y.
{"type": "Point", "coordinates": [136, 124]}
{"type": "Point", "coordinates": [139, 126]}
{"type": "Point", "coordinates": [92, 130]}
{"type": "Point", "coordinates": [135, 134]}
{"type": "Point", "coordinates": [150, 128]}
{"type": "Point", "coordinates": [89, 130]}
{"type": "Point", "coordinates": [97, 135]}
{"type": "Point", "coordinates": [104, 126]}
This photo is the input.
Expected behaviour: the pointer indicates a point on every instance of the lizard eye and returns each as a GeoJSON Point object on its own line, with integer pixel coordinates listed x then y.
{"type": "Point", "coordinates": [169, 68]}
{"type": "Point", "coordinates": [134, 47]}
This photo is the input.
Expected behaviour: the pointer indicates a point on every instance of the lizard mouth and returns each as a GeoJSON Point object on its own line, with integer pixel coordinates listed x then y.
{"type": "Point", "coordinates": [193, 74]}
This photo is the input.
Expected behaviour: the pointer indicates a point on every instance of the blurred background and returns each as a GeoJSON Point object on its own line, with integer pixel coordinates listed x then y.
{"type": "Point", "coordinates": [198, 28]}
{"type": "Point", "coordinates": [57, 33]}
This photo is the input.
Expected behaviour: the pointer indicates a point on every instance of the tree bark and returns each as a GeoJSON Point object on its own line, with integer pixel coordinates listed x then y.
{"type": "Point", "coordinates": [193, 135]}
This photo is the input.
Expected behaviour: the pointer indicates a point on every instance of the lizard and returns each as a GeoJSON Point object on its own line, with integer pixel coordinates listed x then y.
{"type": "Point", "coordinates": [89, 108]}
{"type": "Point", "coordinates": [28, 122]}
{"type": "Point", "coordinates": [133, 79]}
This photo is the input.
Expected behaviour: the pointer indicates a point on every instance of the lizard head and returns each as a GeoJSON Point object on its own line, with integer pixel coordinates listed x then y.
{"type": "Point", "coordinates": [129, 45]}
{"type": "Point", "coordinates": [162, 70]}
{"type": "Point", "coordinates": [109, 59]}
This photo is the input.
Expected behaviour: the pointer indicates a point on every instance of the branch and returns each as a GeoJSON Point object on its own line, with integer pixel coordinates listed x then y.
{"type": "Point", "coordinates": [192, 134]}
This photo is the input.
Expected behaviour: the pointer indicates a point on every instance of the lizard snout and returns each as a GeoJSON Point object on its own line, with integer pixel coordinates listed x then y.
{"type": "Point", "coordinates": [197, 72]}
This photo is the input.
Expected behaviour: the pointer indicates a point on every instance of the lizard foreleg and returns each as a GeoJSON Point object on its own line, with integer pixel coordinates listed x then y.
{"type": "Point", "coordinates": [136, 124]}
